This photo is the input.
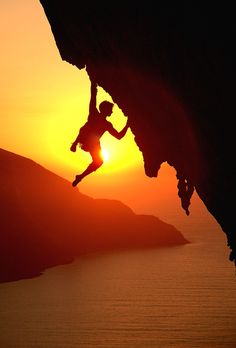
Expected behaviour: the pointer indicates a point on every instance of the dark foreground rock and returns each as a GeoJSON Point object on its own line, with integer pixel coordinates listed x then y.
{"type": "Point", "coordinates": [171, 69]}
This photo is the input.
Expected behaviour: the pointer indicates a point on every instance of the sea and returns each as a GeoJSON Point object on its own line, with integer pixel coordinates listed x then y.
{"type": "Point", "coordinates": [176, 297]}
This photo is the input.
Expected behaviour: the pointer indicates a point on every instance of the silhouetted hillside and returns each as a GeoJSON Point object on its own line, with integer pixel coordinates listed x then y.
{"type": "Point", "coordinates": [44, 221]}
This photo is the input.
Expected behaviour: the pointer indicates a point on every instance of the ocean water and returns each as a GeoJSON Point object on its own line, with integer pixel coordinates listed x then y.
{"type": "Point", "coordinates": [175, 297]}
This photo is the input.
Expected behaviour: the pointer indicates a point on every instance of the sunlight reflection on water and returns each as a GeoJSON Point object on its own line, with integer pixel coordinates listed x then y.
{"type": "Point", "coordinates": [173, 297]}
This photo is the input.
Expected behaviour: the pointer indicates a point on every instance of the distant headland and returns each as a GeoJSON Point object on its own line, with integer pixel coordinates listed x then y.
{"type": "Point", "coordinates": [45, 222]}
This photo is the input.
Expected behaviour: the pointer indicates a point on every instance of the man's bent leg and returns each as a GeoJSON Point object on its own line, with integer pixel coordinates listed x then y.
{"type": "Point", "coordinates": [97, 162]}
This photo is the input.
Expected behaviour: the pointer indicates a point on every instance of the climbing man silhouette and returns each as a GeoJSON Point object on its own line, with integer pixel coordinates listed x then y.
{"type": "Point", "coordinates": [90, 134]}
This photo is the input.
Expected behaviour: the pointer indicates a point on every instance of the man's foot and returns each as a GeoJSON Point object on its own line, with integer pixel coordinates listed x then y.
{"type": "Point", "coordinates": [73, 147]}
{"type": "Point", "coordinates": [78, 178]}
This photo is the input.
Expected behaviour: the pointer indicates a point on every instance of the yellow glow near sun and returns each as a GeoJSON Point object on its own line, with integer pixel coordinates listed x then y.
{"type": "Point", "coordinates": [45, 100]}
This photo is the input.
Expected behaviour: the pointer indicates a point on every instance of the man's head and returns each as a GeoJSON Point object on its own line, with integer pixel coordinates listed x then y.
{"type": "Point", "coordinates": [105, 108]}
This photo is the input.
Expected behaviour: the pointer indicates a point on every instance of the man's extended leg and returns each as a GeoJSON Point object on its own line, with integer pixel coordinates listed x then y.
{"type": "Point", "coordinates": [97, 162]}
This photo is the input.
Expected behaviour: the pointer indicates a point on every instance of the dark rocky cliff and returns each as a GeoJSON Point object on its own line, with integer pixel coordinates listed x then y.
{"type": "Point", "coordinates": [171, 70]}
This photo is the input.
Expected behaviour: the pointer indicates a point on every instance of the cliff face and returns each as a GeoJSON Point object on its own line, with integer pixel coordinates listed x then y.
{"type": "Point", "coordinates": [171, 70]}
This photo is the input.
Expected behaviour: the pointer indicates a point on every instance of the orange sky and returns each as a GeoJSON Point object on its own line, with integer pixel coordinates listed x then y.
{"type": "Point", "coordinates": [44, 101]}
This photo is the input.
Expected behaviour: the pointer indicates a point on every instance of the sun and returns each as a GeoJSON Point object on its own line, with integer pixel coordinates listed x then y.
{"type": "Point", "coordinates": [105, 155]}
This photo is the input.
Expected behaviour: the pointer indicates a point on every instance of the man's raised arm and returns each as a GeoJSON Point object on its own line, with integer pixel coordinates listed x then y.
{"type": "Point", "coordinates": [93, 98]}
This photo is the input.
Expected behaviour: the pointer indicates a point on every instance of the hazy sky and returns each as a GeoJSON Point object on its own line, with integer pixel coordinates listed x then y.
{"type": "Point", "coordinates": [44, 101]}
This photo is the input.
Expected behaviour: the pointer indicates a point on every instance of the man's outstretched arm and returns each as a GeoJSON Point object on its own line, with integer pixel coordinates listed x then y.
{"type": "Point", "coordinates": [116, 134]}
